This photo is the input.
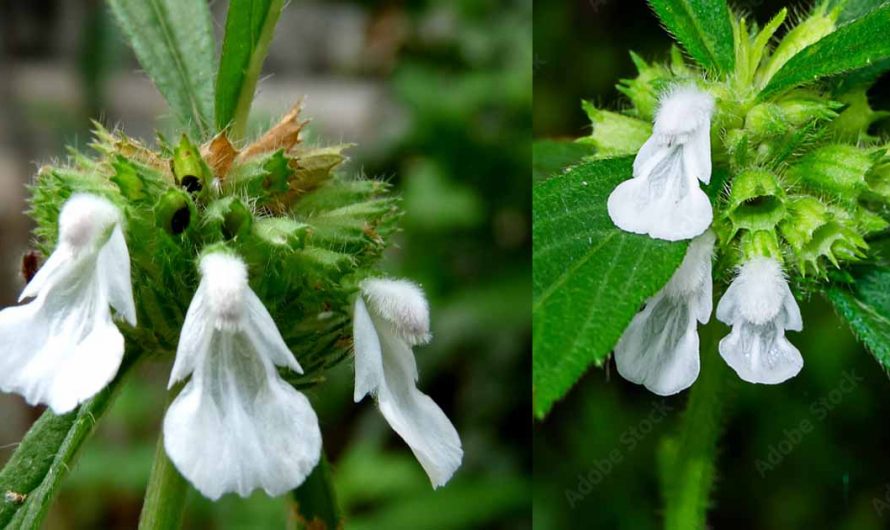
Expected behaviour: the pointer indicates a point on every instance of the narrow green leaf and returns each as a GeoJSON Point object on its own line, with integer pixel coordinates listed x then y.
{"type": "Point", "coordinates": [549, 157]}
{"type": "Point", "coordinates": [862, 43]}
{"type": "Point", "coordinates": [173, 40]}
{"type": "Point", "coordinates": [589, 279]}
{"type": "Point", "coordinates": [250, 25]}
{"type": "Point", "coordinates": [46, 454]}
{"type": "Point", "coordinates": [703, 27]}
{"type": "Point", "coordinates": [866, 308]}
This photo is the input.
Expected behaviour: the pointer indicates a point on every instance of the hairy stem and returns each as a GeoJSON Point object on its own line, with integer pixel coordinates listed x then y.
{"type": "Point", "coordinates": [687, 460]}
{"type": "Point", "coordinates": [315, 501]}
{"type": "Point", "coordinates": [166, 493]}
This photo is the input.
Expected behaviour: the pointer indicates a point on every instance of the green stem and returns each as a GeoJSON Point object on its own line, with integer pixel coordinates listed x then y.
{"type": "Point", "coordinates": [315, 501]}
{"type": "Point", "coordinates": [687, 461]}
{"type": "Point", "coordinates": [166, 494]}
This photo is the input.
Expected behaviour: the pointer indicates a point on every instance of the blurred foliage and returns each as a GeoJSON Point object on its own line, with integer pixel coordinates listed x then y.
{"type": "Point", "coordinates": [809, 453]}
{"type": "Point", "coordinates": [462, 74]}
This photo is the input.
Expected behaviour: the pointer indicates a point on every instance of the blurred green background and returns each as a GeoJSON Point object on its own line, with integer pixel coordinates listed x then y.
{"type": "Point", "coordinates": [437, 97]}
{"type": "Point", "coordinates": [810, 453]}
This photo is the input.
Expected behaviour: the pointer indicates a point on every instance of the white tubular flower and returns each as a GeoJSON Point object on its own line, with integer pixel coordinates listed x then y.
{"type": "Point", "coordinates": [390, 317]}
{"type": "Point", "coordinates": [663, 199]}
{"type": "Point", "coordinates": [760, 307]}
{"type": "Point", "coordinates": [660, 349]}
{"type": "Point", "coordinates": [62, 347]}
{"type": "Point", "coordinates": [237, 426]}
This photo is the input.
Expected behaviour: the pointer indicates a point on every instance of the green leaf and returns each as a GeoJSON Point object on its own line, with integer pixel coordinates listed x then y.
{"type": "Point", "coordinates": [703, 28]}
{"type": "Point", "coordinates": [43, 458]}
{"type": "Point", "coordinates": [589, 279]}
{"type": "Point", "coordinates": [173, 40]}
{"type": "Point", "coordinates": [250, 25]}
{"type": "Point", "coordinates": [859, 44]}
{"type": "Point", "coordinates": [865, 305]}
{"type": "Point", "coordinates": [549, 157]}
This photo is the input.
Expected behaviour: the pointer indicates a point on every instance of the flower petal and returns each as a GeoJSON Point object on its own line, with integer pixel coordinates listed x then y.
{"type": "Point", "coordinates": [61, 348]}
{"type": "Point", "coordinates": [697, 155]}
{"type": "Point", "coordinates": [665, 205]}
{"type": "Point", "coordinates": [761, 353]}
{"type": "Point", "coordinates": [114, 269]}
{"type": "Point", "coordinates": [413, 415]}
{"type": "Point", "coordinates": [660, 348]}
{"type": "Point", "coordinates": [368, 357]}
{"type": "Point", "coordinates": [236, 426]}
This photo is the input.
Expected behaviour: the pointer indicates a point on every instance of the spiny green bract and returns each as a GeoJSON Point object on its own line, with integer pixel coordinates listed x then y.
{"type": "Point", "coordinates": [308, 233]}
{"type": "Point", "coordinates": [807, 182]}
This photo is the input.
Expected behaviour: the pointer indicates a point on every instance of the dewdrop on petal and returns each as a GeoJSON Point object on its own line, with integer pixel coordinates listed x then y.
{"type": "Point", "coordinates": [759, 306]}
{"type": "Point", "coordinates": [390, 317]}
{"type": "Point", "coordinates": [663, 199]}
{"type": "Point", "coordinates": [660, 348]}
{"type": "Point", "coordinates": [237, 425]}
{"type": "Point", "coordinates": [63, 347]}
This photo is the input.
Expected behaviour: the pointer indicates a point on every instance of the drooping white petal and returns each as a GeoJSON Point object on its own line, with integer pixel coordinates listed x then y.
{"type": "Point", "coordinates": [62, 347]}
{"type": "Point", "coordinates": [663, 199]}
{"type": "Point", "coordinates": [759, 306]}
{"type": "Point", "coordinates": [385, 367]}
{"type": "Point", "coordinates": [660, 347]}
{"type": "Point", "coordinates": [237, 426]}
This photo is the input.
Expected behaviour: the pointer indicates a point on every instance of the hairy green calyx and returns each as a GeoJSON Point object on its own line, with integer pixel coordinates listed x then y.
{"type": "Point", "coordinates": [308, 233]}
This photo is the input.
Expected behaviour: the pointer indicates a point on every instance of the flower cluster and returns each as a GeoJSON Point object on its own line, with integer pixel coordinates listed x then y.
{"type": "Point", "coordinates": [801, 184]}
{"type": "Point", "coordinates": [284, 249]}
{"type": "Point", "coordinates": [660, 348]}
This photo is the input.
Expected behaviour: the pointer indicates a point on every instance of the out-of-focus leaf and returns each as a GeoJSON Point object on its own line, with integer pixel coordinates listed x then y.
{"type": "Point", "coordinates": [173, 40]}
{"type": "Point", "coordinates": [866, 308]}
{"type": "Point", "coordinates": [860, 44]}
{"type": "Point", "coordinates": [589, 279]}
{"type": "Point", "coordinates": [435, 203]}
{"type": "Point", "coordinates": [703, 28]}
{"type": "Point", "coordinates": [550, 157]}
{"type": "Point", "coordinates": [250, 25]}
{"type": "Point", "coordinates": [36, 469]}
{"type": "Point", "coordinates": [316, 501]}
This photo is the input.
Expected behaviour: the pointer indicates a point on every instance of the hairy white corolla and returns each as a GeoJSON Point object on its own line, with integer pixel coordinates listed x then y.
{"type": "Point", "coordinates": [390, 317]}
{"type": "Point", "coordinates": [663, 199]}
{"type": "Point", "coordinates": [760, 307]}
{"type": "Point", "coordinates": [237, 425]}
{"type": "Point", "coordinates": [660, 348]}
{"type": "Point", "coordinates": [63, 347]}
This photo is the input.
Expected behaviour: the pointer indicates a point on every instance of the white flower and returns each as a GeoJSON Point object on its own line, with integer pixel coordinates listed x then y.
{"type": "Point", "coordinates": [237, 426]}
{"type": "Point", "coordinates": [62, 347]}
{"type": "Point", "coordinates": [760, 307]}
{"type": "Point", "coordinates": [660, 348]}
{"type": "Point", "coordinates": [663, 199]}
{"type": "Point", "coordinates": [390, 317]}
